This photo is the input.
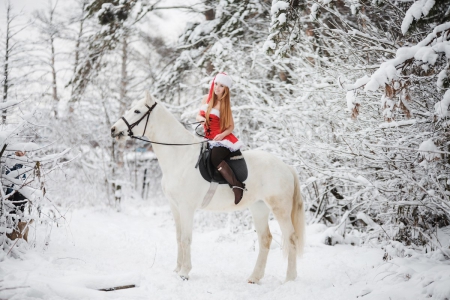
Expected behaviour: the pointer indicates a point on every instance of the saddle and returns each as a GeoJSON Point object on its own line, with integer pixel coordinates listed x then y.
{"type": "Point", "coordinates": [236, 162]}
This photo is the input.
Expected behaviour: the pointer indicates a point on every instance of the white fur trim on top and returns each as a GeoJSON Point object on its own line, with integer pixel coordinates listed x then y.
{"type": "Point", "coordinates": [213, 111]}
{"type": "Point", "coordinates": [224, 79]}
{"type": "Point", "coordinates": [226, 143]}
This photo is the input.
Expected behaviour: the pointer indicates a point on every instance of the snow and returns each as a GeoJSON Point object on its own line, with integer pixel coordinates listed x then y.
{"type": "Point", "coordinates": [441, 77]}
{"type": "Point", "coordinates": [426, 54]}
{"type": "Point", "coordinates": [22, 146]}
{"type": "Point", "coordinates": [427, 149]}
{"type": "Point", "coordinates": [51, 157]}
{"type": "Point", "coordinates": [441, 27]}
{"type": "Point", "coordinates": [441, 107]}
{"type": "Point", "coordinates": [314, 10]}
{"type": "Point", "coordinates": [99, 248]}
{"type": "Point", "coordinates": [366, 219]}
{"type": "Point", "coordinates": [223, 47]}
{"type": "Point", "coordinates": [278, 6]}
{"type": "Point", "coordinates": [397, 123]}
{"type": "Point", "coordinates": [359, 83]}
{"type": "Point", "coordinates": [203, 29]}
{"type": "Point", "coordinates": [416, 11]}
{"type": "Point", "coordinates": [269, 44]}
{"type": "Point", "coordinates": [282, 18]}
{"type": "Point", "coordinates": [427, 51]}
{"type": "Point", "coordinates": [352, 100]}
{"type": "Point", "coordinates": [8, 104]}
{"type": "Point", "coordinates": [96, 247]}
{"type": "Point", "coordinates": [140, 156]}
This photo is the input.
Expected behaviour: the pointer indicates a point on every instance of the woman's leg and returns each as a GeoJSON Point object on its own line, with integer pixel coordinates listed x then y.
{"type": "Point", "coordinates": [218, 155]}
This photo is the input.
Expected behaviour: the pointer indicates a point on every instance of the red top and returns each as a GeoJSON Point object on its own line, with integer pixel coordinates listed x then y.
{"type": "Point", "coordinates": [230, 141]}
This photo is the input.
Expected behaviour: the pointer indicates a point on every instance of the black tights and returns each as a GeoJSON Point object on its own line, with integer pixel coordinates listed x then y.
{"type": "Point", "coordinates": [218, 154]}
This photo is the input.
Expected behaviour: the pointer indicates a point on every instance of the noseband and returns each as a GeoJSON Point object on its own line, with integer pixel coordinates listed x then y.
{"type": "Point", "coordinates": [130, 127]}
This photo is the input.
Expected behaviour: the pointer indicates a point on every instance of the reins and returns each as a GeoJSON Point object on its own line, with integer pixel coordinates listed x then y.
{"type": "Point", "coordinates": [147, 114]}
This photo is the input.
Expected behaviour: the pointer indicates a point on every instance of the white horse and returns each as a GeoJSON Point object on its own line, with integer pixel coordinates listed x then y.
{"type": "Point", "coordinates": [272, 186]}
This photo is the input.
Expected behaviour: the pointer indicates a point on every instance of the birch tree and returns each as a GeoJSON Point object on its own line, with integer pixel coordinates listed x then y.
{"type": "Point", "coordinates": [13, 58]}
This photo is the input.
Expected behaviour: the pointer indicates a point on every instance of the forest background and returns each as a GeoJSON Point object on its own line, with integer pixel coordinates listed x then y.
{"type": "Point", "coordinates": [352, 93]}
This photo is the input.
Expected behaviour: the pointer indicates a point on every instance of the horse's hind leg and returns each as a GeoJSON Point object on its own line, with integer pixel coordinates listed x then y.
{"type": "Point", "coordinates": [260, 213]}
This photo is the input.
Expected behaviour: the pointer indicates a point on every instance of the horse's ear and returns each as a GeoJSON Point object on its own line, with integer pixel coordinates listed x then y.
{"type": "Point", "coordinates": [148, 98]}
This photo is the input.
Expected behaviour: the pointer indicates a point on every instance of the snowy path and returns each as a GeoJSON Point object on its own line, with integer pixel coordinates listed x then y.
{"type": "Point", "coordinates": [101, 248]}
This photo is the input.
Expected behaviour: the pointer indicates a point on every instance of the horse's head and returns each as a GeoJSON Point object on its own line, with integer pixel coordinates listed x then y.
{"type": "Point", "coordinates": [136, 121]}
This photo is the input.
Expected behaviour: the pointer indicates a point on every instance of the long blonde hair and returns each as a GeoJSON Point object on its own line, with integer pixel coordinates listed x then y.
{"type": "Point", "coordinates": [225, 109]}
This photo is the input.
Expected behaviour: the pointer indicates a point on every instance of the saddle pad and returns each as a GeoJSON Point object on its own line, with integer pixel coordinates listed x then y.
{"type": "Point", "coordinates": [236, 162]}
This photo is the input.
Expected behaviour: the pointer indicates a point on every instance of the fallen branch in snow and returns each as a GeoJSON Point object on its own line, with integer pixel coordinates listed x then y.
{"type": "Point", "coordinates": [118, 288]}
{"type": "Point", "coordinates": [14, 288]}
{"type": "Point", "coordinates": [154, 257]}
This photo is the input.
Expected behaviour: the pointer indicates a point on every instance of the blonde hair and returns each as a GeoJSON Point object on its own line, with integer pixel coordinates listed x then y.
{"type": "Point", "coordinates": [225, 109]}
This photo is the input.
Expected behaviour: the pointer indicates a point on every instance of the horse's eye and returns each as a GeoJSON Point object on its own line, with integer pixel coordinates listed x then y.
{"type": "Point", "coordinates": [137, 112]}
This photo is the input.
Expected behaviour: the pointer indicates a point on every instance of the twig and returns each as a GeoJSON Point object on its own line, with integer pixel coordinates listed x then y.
{"type": "Point", "coordinates": [118, 288]}
{"type": "Point", "coordinates": [70, 258]}
{"type": "Point", "coordinates": [154, 257]}
{"type": "Point", "coordinates": [12, 246]}
{"type": "Point", "coordinates": [13, 288]}
{"type": "Point", "coordinates": [21, 233]}
{"type": "Point", "coordinates": [431, 241]}
{"type": "Point", "coordinates": [3, 149]}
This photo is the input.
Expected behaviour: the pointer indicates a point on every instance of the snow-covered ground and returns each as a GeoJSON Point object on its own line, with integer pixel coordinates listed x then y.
{"type": "Point", "coordinates": [98, 248]}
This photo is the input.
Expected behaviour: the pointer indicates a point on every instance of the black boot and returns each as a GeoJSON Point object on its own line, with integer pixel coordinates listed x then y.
{"type": "Point", "coordinates": [228, 174]}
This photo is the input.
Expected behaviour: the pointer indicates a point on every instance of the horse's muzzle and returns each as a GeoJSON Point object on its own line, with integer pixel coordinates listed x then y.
{"type": "Point", "coordinates": [116, 134]}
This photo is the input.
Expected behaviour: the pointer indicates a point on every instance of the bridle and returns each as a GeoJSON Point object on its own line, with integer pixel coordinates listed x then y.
{"type": "Point", "coordinates": [147, 114]}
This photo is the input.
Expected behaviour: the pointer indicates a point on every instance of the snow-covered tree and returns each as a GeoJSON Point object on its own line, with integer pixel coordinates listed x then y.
{"type": "Point", "coordinates": [386, 66]}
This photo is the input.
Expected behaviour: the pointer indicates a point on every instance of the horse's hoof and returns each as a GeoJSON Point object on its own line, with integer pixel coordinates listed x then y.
{"type": "Point", "coordinates": [184, 278]}
{"type": "Point", "coordinates": [289, 279]}
{"type": "Point", "coordinates": [252, 280]}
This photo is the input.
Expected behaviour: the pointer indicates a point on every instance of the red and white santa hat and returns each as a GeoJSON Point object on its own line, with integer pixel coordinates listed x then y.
{"type": "Point", "coordinates": [222, 78]}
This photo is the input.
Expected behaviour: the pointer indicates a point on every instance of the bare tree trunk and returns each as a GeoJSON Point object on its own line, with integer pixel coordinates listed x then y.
{"type": "Point", "coordinates": [124, 76]}
{"type": "Point", "coordinates": [77, 51]}
{"type": "Point", "coordinates": [6, 70]}
{"type": "Point", "coordinates": [2, 193]}
{"type": "Point", "coordinates": [52, 64]}
{"type": "Point", "coordinates": [123, 105]}
{"type": "Point", "coordinates": [54, 87]}
{"type": "Point", "coordinates": [209, 13]}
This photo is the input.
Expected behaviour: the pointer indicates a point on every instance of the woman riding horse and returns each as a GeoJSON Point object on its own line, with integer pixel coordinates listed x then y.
{"type": "Point", "coordinates": [215, 114]}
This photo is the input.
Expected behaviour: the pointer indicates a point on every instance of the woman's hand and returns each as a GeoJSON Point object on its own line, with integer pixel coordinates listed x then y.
{"type": "Point", "coordinates": [219, 137]}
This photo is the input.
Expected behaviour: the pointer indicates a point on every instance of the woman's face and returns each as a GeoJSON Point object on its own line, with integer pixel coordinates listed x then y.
{"type": "Point", "coordinates": [219, 89]}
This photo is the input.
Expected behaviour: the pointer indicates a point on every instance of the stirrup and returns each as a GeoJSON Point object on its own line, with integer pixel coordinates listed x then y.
{"type": "Point", "coordinates": [238, 187]}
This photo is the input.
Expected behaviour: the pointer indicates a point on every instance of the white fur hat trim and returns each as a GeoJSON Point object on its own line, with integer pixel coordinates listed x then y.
{"type": "Point", "coordinates": [224, 79]}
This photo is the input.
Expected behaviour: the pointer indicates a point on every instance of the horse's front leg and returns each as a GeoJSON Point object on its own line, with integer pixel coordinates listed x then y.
{"type": "Point", "coordinates": [176, 218]}
{"type": "Point", "coordinates": [186, 222]}
{"type": "Point", "coordinates": [260, 213]}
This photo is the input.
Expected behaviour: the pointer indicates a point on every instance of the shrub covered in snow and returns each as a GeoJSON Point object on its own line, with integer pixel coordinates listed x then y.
{"type": "Point", "coordinates": [389, 60]}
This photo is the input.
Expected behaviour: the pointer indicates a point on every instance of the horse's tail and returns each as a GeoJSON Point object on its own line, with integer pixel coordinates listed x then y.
{"type": "Point", "coordinates": [298, 215]}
